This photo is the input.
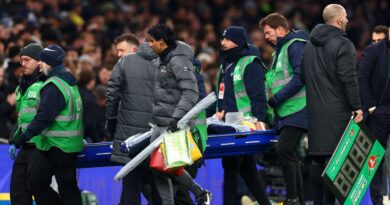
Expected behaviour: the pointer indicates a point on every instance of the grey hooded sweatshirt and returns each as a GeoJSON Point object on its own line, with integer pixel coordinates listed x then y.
{"type": "Point", "coordinates": [176, 90]}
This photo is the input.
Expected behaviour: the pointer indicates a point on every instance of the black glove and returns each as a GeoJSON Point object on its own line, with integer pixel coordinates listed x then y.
{"type": "Point", "coordinates": [21, 141]}
{"type": "Point", "coordinates": [172, 127]}
{"type": "Point", "coordinates": [273, 102]}
{"type": "Point", "coordinates": [111, 126]}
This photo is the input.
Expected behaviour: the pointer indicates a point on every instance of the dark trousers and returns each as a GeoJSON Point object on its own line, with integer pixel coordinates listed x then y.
{"type": "Point", "coordinates": [286, 152]}
{"type": "Point", "coordinates": [136, 182]}
{"type": "Point", "coordinates": [321, 194]}
{"type": "Point", "coordinates": [243, 165]}
{"type": "Point", "coordinates": [165, 188]}
{"type": "Point", "coordinates": [20, 191]}
{"type": "Point", "coordinates": [379, 123]}
{"type": "Point", "coordinates": [63, 166]}
{"type": "Point", "coordinates": [246, 167]}
{"type": "Point", "coordinates": [164, 181]}
{"type": "Point", "coordinates": [182, 194]}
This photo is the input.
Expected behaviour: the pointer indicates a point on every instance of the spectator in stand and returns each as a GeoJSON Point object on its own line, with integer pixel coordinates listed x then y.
{"type": "Point", "coordinates": [100, 95]}
{"type": "Point", "coordinates": [71, 58]}
{"type": "Point", "coordinates": [13, 71]}
{"type": "Point", "coordinates": [85, 62]}
{"type": "Point", "coordinates": [104, 74]}
{"type": "Point", "coordinates": [86, 82]}
{"type": "Point", "coordinates": [7, 107]}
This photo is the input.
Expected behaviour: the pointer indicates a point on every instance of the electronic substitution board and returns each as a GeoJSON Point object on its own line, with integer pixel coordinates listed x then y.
{"type": "Point", "coordinates": [353, 164]}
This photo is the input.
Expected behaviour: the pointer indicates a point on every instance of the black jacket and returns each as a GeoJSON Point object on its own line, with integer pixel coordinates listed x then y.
{"type": "Point", "coordinates": [92, 123]}
{"type": "Point", "coordinates": [6, 111]}
{"type": "Point", "coordinates": [176, 90]}
{"type": "Point", "coordinates": [199, 80]}
{"type": "Point", "coordinates": [374, 72]}
{"type": "Point", "coordinates": [253, 81]}
{"type": "Point", "coordinates": [329, 72]}
{"type": "Point", "coordinates": [129, 97]}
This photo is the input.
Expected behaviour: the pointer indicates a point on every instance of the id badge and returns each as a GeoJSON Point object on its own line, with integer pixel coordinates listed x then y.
{"type": "Point", "coordinates": [221, 91]}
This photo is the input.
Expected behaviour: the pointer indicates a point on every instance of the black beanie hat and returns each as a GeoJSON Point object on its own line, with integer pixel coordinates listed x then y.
{"type": "Point", "coordinates": [237, 34]}
{"type": "Point", "coordinates": [32, 50]}
{"type": "Point", "coordinates": [53, 55]}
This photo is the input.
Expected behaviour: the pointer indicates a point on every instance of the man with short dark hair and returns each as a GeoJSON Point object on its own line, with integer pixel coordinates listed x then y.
{"type": "Point", "coordinates": [176, 92]}
{"type": "Point", "coordinates": [329, 73]}
{"type": "Point", "coordinates": [129, 102]}
{"type": "Point", "coordinates": [126, 44]}
{"type": "Point", "coordinates": [374, 84]}
{"type": "Point", "coordinates": [379, 33]}
{"type": "Point", "coordinates": [104, 74]}
{"type": "Point", "coordinates": [288, 99]}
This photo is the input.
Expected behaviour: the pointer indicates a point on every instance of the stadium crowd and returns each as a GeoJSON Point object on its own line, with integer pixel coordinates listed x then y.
{"type": "Point", "coordinates": [84, 38]}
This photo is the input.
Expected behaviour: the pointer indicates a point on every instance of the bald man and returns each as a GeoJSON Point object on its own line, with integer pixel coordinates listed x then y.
{"type": "Point", "coordinates": [335, 15]}
{"type": "Point", "coordinates": [332, 92]}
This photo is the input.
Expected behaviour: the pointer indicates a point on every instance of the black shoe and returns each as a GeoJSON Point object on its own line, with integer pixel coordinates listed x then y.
{"type": "Point", "coordinates": [205, 198]}
{"type": "Point", "coordinates": [291, 202]}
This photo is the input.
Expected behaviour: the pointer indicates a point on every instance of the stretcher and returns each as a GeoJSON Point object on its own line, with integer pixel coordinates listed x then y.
{"type": "Point", "coordinates": [182, 124]}
{"type": "Point", "coordinates": [241, 143]}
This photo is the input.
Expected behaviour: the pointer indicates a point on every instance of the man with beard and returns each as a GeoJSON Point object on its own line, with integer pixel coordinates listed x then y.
{"type": "Point", "coordinates": [329, 73]}
{"type": "Point", "coordinates": [27, 94]}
